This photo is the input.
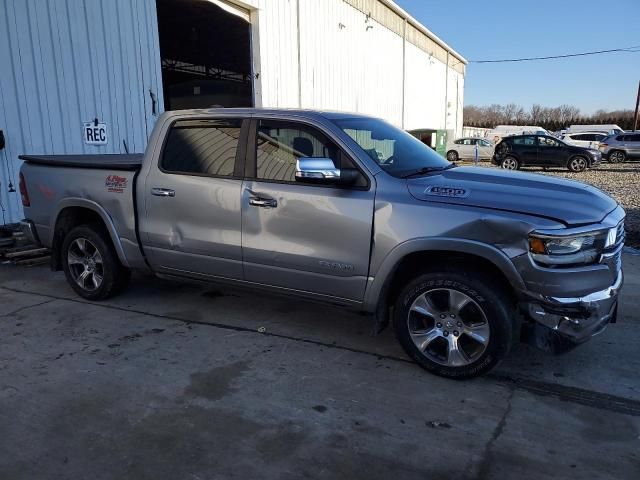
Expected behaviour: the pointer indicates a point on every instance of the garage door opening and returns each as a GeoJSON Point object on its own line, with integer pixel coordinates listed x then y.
{"type": "Point", "coordinates": [205, 50]}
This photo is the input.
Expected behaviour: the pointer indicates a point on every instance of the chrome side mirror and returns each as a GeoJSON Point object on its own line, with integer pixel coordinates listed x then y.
{"type": "Point", "coordinates": [317, 170]}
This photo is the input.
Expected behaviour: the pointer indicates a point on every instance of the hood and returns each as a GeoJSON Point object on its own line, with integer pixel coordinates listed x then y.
{"type": "Point", "coordinates": [572, 203]}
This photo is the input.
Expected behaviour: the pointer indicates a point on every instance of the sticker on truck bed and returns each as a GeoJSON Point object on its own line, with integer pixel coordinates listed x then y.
{"type": "Point", "coordinates": [115, 183]}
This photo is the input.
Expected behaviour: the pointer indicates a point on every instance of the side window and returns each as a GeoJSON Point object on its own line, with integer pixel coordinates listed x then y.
{"type": "Point", "coordinates": [547, 142]}
{"type": "Point", "coordinates": [524, 141]}
{"type": "Point", "coordinates": [280, 144]}
{"type": "Point", "coordinates": [202, 147]}
{"type": "Point", "coordinates": [632, 138]}
{"type": "Point", "coordinates": [459, 142]}
{"type": "Point", "coordinates": [467, 141]}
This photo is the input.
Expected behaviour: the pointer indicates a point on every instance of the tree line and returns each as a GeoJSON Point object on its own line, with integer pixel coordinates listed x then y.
{"type": "Point", "coordinates": [550, 118]}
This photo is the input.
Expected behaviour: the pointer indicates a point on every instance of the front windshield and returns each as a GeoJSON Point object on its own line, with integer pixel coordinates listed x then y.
{"type": "Point", "coordinates": [396, 151]}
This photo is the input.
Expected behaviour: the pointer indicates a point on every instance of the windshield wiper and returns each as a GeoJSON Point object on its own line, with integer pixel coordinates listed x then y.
{"type": "Point", "coordinates": [425, 170]}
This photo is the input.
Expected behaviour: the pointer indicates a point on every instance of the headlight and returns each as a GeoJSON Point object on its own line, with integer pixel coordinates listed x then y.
{"type": "Point", "coordinates": [567, 250]}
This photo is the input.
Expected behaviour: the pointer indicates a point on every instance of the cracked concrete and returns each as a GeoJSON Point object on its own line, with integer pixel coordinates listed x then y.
{"type": "Point", "coordinates": [174, 381]}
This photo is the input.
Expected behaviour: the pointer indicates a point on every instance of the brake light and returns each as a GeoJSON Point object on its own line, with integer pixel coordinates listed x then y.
{"type": "Point", "coordinates": [23, 192]}
{"type": "Point", "coordinates": [604, 144]}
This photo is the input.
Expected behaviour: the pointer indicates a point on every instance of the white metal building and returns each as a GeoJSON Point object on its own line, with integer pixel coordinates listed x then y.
{"type": "Point", "coordinates": [114, 65]}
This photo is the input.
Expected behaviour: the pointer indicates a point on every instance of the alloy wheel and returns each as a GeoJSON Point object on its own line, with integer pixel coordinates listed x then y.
{"type": "Point", "coordinates": [578, 164]}
{"type": "Point", "coordinates": [85, 264]}
{"type": "Point", "coordinates": [448, 327]}
{"type": "Point", "coordinates": [509, 163]}
{"type": "Point", "coordinates": [616, 157]}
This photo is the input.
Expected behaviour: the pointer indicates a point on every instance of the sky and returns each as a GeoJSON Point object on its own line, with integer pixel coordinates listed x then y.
{"type": "Point", "coordinates": [514, 29]}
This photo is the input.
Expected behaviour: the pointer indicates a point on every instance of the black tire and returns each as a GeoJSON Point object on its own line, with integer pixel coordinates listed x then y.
{"type": "Point", "coordinates": [510, 163]}
{"type": "Point", "coordinates": [452, 156]}
{"type": "Point", "coordinates": [577, 164]}
{"type": "Point", "coordinates": [487, 296]}
{"type": "Point", "coordinates": [617, 156]}
{"type": "Point", "coordinates": [114, 277]}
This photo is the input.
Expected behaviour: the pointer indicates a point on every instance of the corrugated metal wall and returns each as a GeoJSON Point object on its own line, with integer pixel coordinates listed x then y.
{"type": "Point", "coordinates": [66, 62]}
{"type": "Point", "coordinates": [344, 59]}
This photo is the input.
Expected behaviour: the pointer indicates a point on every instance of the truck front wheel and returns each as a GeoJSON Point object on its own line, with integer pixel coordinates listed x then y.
{"type": "Point", "coordinates": [454, 324]}
{"type": "Point", "coordinates": [91, 264]}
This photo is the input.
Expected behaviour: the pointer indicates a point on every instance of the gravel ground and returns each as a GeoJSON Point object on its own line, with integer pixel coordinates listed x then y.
{"type": "Point", "coordinates": [621, 181]}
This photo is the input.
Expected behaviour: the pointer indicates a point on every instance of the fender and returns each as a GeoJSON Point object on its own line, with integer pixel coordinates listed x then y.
{"type": "Point", "coordinates": [376, 284]}
{"type": "Point", "coordinates": [106, 218]}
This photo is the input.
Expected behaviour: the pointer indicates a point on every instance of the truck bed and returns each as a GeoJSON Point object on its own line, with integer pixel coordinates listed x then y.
{"type": "Point", "coordinates": [131, 162]}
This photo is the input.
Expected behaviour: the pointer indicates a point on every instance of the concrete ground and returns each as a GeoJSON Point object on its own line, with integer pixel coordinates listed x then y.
{"type": "Point", "coordinates": [179, 381]}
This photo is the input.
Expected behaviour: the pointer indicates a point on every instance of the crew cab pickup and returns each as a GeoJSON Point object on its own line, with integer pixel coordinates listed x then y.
{"type": "Point", "coordinates": [346, 209]}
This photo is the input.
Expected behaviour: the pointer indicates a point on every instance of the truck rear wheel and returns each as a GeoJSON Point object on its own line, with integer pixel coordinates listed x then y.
{"type": "Point", "coordinates": [454, 324]}
{"type": "Point", "coordinates": [91, 264]}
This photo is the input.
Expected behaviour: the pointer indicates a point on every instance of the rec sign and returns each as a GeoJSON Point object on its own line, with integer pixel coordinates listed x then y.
{"type": "Point", "coordinates": [94, 133]}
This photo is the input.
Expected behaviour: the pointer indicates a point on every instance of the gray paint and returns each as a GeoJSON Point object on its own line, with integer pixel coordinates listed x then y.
{"type": "Point", "coordinates": [331, 243]}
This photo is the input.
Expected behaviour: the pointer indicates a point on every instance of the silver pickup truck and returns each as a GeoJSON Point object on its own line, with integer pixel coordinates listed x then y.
{"type": "Point", "coordinates": [346, 209]}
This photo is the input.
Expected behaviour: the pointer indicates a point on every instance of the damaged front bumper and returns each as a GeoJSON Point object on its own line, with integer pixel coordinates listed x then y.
{"type": "Point", "coordinates": [558, 324]}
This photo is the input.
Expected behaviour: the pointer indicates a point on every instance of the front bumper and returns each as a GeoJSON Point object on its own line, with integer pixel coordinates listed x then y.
{"type": "Point", "coordinates": [562, 323]}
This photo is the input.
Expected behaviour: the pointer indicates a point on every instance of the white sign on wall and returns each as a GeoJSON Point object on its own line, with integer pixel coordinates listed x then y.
{"type": "Point", "coordinates": [94, 133]}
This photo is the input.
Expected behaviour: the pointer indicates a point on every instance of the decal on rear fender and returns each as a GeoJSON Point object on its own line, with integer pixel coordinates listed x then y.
{"type": "Point", "coordinates": [115, 183]}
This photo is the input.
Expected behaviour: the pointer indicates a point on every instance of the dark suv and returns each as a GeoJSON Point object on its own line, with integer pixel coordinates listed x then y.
{"type": "Point", "coordinates": [543, 151]}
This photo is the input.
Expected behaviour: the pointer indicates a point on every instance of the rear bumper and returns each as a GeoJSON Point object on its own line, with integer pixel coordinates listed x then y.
{"type": "Point", "coordinates": [29, 229]}
{"type": "Point", "coordinates": [562, 323]}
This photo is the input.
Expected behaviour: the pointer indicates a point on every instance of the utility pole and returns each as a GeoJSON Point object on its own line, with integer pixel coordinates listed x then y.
{"type": "Point", "coordinates": [635, 117]}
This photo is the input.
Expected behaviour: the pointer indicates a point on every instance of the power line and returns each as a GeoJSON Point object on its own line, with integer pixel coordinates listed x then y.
{"type": "Point", "coordinates": [551, 57]}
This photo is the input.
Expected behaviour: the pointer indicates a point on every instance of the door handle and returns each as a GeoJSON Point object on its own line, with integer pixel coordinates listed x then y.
{"type": "Point", "coordinates": [163, 192]}
{"type": "Point", "coordinates": [263, 202]}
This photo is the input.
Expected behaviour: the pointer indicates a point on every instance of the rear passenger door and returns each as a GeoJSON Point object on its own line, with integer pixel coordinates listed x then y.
{"type": "Point", "coordinates": [526, 149]}
{"type": "Point", "coordinates": [301, 236]}
{"type": "Point", "coordinates": [192, 224]}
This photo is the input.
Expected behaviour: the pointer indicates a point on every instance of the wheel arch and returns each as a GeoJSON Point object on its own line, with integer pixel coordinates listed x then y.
{"type": "Point", "coordinates": [72, 212]}
{"type": "Point", "coordinates": [416, 256]}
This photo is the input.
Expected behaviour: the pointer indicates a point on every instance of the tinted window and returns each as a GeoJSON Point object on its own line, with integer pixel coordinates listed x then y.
{"type": "Point", "coordinates": [632, 138]}
{"type": "Point", "coordinates": [583, 137]}
{"type": "Point", "coordinates": [524, 141]}
{"type": "Point", "coordinates": [459, 142]}
{"type": "Point", "coordinates": [202, 147]}
{"type": "Point", "coordinates": [397, 152]}
{"type": "Point", "coordinates": [281, 144]}
{"type": "Point", "coordinates": [600, 136]}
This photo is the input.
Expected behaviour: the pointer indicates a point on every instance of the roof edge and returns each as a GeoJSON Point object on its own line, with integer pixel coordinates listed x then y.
{"type": "Point", "coordinates": [409, 18]}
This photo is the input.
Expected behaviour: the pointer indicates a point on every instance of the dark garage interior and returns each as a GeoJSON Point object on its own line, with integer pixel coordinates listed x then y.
{"type": "Point", "coordinates": [205, 54]}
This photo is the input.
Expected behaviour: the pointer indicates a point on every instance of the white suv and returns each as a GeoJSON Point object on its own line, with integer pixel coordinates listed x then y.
{"type": "Point", "coordinates": [584, 139]}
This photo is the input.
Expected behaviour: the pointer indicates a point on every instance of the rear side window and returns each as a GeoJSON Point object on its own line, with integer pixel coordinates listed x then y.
{"type": "Point", "coordinates": [524, 141]}
{"type": "Point", "coordinates": [202, 147]}
{"type": "Point", "coordinates": [632, 138]}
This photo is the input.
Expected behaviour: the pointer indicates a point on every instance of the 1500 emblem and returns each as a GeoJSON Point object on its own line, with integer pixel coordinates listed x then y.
{"type": "Point", "coordinates": [447, 192]}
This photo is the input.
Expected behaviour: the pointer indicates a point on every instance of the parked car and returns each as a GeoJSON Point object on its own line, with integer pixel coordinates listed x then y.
{"type": "Point", "coordinates": [462, 260]}
{"type": "Point", "coordinates": [619, 148]}
{"type": "Point", "coordinates": [584, 139]}
{"type": "Point", "coordinates": [518, 151]}
{"type": "Point", "coordinates": [465, 149]}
